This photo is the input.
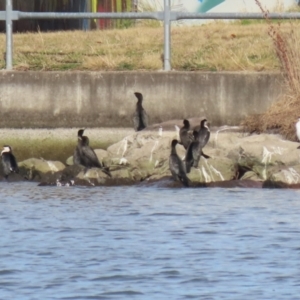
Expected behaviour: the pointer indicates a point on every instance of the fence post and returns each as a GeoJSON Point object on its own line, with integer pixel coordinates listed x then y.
{"type": "Point", "coordinates": [167, 36]}
{"type": "Point", "coordinates": [8, 35]}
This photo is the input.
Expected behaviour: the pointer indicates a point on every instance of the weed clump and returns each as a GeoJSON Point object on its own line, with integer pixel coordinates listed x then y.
{"type": "Point", "coordinates": [282, 115]}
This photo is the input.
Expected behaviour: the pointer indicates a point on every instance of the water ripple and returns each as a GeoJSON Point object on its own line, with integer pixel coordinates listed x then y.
{"type": "Point", "coordinates": [148, 243]}
{"type": "Point", "coordinates": [8, 272]}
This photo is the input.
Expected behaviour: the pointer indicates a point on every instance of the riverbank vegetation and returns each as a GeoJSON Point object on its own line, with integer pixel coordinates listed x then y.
{"type": "Point", "coordinates": [283, 114]}
{"type": "Point", "coordinates": [219, 46]}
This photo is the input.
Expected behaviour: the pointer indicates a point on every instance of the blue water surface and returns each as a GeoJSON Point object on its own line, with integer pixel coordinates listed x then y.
{"type": "Point", "coordinates": [148, 243]}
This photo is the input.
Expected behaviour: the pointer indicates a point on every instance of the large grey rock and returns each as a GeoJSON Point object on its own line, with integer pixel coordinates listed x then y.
{"type": "Point", "coordinates": [144, 154]}
{"type": "Point", "coordinates": [214, 169]}
{"type": "Point", "coordinates": [148, 154]}
{"type": "Point", "coordinates": [289, 175]}
{"type": "Point", "coordinates": [144, 157]}
{"type": "Point", "coordinates": [34, 168]}
{"type": "Point", "coordinates": [261, 153]}
{"type": "Point", "coordinates": [93, 173]}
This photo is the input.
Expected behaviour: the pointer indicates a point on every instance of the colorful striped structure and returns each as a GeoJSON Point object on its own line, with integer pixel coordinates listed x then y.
{"type": "Point", "coordinates": [69, 6]}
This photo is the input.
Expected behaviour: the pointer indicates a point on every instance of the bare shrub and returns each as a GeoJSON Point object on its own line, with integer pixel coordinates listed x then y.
{"type": "Point", "coordinates": [282, 114]}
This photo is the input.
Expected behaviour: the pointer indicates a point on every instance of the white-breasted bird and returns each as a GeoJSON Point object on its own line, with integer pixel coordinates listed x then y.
{"type": "Point", "coordinates": [9, 162]}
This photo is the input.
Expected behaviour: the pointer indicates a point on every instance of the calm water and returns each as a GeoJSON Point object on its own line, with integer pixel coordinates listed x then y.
{"type": "Point", "coordinates": [147, 243]}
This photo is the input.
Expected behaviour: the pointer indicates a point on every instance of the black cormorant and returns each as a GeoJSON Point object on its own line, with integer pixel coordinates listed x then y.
{"type": "Point", "coordinates": [194, 150]}
{"type": "Point", "coordinates": [187, 138]}
{"type": "Point", "coordinates": [89, 158]}
{"type": "Point", "coordinates": [140, 117]}
{"type": "Point", "coordinates": [185, 135]}
{"type": "Point", "coordinates": [204, 133]}
{"type": "Point", "coordinates": [77, 151]}
{"type": "Point", "coordinates": [192, 156]}
{"type": "Point", "coordinates": [176, 165]}
{"type": "Point", "coordinates": [9, 162]}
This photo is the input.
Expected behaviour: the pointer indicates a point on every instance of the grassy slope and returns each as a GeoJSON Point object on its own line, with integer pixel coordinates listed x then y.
{"type": "Point", "coordinates": [217, 46]}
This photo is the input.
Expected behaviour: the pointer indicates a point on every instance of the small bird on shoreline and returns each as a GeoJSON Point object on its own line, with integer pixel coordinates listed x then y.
{"type": "Point", "coordinates": [140, 117]}
{"type": "Point", "coordinates": [176, 165]}
{"type": "Point", "coordinates": [9, 162]}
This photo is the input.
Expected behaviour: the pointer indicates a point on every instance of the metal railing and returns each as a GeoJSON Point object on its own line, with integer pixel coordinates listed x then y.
{"type": "Point", "coordinates": [167, 16]}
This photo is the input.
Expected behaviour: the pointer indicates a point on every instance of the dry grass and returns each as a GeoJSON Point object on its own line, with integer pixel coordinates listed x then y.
{"type": "Point", "coordinates": [283, 114]}
{"type": "Point", "coordinates": [218, 46]}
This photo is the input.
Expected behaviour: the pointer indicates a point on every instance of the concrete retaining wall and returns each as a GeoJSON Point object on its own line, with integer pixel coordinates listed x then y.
{"type": "Point", "coordinates": [105, 99]}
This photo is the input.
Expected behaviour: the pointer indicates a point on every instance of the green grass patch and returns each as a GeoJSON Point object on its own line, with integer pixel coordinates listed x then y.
{"type": "Point", "coordinates": [125, 66]}
{"type": "Point", "coordinates": [48, 149]}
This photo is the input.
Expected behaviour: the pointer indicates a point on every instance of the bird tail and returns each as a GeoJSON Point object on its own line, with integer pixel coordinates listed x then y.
{"type": "Point", "coordinates": [204, 155]}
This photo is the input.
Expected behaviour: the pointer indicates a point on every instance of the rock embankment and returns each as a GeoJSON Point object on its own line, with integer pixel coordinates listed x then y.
{"type": "Point", "coordinates": [236, 159]}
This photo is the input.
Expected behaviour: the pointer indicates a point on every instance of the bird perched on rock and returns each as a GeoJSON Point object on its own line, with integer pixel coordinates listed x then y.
{"type": "Point", "coordinates": [89, 158]}
{"type": "Point", "coordinates": [204, 133]}
{"type": "Point", "coordinates": [176, 165]}
{"type": "Point", "coordinates": [194, 150]}
{"type": "Point", "coordinates": [298, 131]}
{"type": "Point", "coordinates": [185, 135]}
{"type": "Point", "coordinates": [140, 117]}
{"type": "Point", "coordinates": [84, 155]}
{"type": "Point", "coordinates": [9, 162]}
{"type": "Point", "coordinates": [77, 151]}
